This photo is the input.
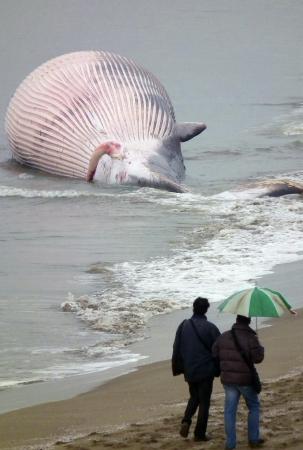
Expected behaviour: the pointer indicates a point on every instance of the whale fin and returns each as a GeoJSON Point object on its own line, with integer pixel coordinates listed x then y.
{"type": "Point", "coordinates": [188, 130]}
{"type": "Point", "coordinates": [113, 149]}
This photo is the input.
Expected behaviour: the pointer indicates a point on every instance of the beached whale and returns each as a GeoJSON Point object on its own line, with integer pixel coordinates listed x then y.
{"type": "Point", "coordinates": [98, 116]}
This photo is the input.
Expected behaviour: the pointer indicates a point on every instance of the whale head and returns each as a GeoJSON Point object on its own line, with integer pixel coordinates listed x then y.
{"type": "Point", "coordinates": [154, 162]}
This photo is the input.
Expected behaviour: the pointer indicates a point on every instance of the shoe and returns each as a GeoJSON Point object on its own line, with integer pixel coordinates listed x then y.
{"type": "Point", "coordinates": [256, 444]}
{"type": "Point", "coordinates": [205, 438]}
{"type": "Point", "coordinates": [184, 430]}
{"type": "Point", "coordinates": [229, 448]}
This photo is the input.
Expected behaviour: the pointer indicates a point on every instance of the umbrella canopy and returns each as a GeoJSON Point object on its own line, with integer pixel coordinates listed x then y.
{"type": "Point", "coordinates": [256, 302]}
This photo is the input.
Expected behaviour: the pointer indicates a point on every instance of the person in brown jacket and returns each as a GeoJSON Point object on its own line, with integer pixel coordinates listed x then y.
{"type": "Point", "coordinates": [236, 377]}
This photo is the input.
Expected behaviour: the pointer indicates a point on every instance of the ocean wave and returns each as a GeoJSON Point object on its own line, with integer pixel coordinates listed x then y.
{"type": "Point", "coordinates": [293, 129]}
{"type": "Point", "coordinates": [89, 366]}
{"type": "Point", "coordinates": [176, 202]}
{"type": "Point", "coordinates": [290, 124]}
{"type": "Point", "coordinates": [84, 364]}
{"type": "Point", "coordinates": [117, 311]}
{"type": "Point", "coordinates": [132, 193]}
{"type": "Point", "coordinates": [249, 241]}
{"type": "Point", "coordinates": [212, 154]}
{"type": "Point", "coordinates": [10, 191]}
{"type": "Point", "coordinates": [26, 176]}
{"type": "Point", "coordinates": [239, 241]}
{"type": "Point", "coordinates": [6, 384]}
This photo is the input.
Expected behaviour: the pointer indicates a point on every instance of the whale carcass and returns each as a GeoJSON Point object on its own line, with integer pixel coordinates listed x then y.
{"type": "Point", "coordinates": [98, 116]}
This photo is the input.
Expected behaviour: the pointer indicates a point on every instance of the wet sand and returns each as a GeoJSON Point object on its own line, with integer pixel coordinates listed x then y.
{"type": "Point", "coordinates": [143, 409]}
{"type": "Point", "coordinates": [282, 425]}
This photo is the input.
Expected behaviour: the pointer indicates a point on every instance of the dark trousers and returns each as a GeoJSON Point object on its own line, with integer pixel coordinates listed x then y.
{"type": "Point", "coordinates": [200, 394]}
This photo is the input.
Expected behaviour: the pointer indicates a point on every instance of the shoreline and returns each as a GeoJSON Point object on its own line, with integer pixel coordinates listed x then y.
{"type": "Point", "coordinates": [155, 347]}
{"type": "Point", "coordinates": [149, 385]}
{"type": "Point", "coordinates": [148, 398]}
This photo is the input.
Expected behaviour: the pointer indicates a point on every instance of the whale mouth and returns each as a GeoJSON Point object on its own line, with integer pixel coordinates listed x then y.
{"type": "Point", "coordinates": [158, 181]}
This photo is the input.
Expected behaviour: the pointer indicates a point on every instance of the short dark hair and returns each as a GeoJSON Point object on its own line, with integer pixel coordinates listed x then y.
{"type": "Point", "coordinates": [243, 319]}
{"type": "Point", "coordinates": [200, 305]}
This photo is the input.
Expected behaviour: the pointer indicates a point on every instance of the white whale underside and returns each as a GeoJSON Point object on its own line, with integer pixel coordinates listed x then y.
{"type": "Point", "coordinates": [68, 106]}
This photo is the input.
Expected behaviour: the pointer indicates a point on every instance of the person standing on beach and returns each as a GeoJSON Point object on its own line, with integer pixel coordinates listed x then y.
{"type": "Point", "coordinates": [232, 348]}
{"type": "Point", "coordinates": [192, 356]}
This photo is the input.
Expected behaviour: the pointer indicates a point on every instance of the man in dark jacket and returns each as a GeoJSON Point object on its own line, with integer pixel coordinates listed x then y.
{"type": "Point", "coordinates": [193, 343]}
{"type": "Point", "coordinates": [236, 377]}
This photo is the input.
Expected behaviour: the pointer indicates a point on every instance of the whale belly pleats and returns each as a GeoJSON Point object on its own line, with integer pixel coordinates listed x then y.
{"type": "Point", "coordinates": [68, 106]}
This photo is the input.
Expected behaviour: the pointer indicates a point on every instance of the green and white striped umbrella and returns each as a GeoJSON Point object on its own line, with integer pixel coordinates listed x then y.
{"type": "Point", "coordinates": [256, 302]}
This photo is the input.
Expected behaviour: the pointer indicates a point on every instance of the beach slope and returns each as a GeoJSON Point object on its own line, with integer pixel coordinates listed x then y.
{"type": "Point", "coordinates": [143, 409]}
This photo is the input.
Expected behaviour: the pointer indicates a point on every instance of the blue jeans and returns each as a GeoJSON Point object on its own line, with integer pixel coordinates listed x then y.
{"type": "Point", "coordinates": [232, 396]}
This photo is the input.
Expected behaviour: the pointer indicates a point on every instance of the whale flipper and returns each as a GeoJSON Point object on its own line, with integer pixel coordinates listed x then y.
{"type": "Point", "coordinates": [188, 130]}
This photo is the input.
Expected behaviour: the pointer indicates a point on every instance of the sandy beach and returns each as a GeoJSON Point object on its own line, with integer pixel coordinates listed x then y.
{"type": "Point", "coordinates": [143, 408]}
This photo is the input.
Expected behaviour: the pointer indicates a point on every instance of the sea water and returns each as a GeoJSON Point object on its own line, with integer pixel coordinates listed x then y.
{"type": "Point", "coordinates": [83, 267]}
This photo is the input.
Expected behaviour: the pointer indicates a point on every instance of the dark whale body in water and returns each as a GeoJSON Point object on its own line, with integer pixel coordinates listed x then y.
{"type": "Point", "coordinates": [266, 188]}
{"type": "Point", "coordinates": [278, 188]}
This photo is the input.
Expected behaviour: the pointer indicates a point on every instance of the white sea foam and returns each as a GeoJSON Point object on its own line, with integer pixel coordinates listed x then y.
{"type": "Point", "coordinates": [10, 191]}
{"type": "Point", "coordinates": [290, 124]}
{"type": "Point", "coordinates": [96, 191]}
{"type": "Point", "coordinates": [5, 384]}
{"type": "Point", "coordinates": [246, 194]}
{"type": "Point", "coordinates": [8, 383]}
{"type": "Point", "coordinates": [293, 129]}
{"type": "Point", "coordinates": [241, 241]}
{"type": "Point", "coordinates": [115, 358]}
{"type": "Point", "coordinates": [70, 369]}
{"type": "Point", "coordinates": [246, 250]}
{"type": "Point", "coordinates": [26, 176]}
{"type": "Point", "coordinates": [293, 124]}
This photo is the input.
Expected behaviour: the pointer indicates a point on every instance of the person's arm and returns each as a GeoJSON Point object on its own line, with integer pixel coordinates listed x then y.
{"type": "Point", "coordinates": [176, 356]}
{"type": "Point", "coordinates": [177, 340]}
{"type": "Point", "coordinates": [256, 350]}
{"type": "Point", "coordinates": [215, 333]}
{"type": "Point", "coordinates": [215, 349]}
